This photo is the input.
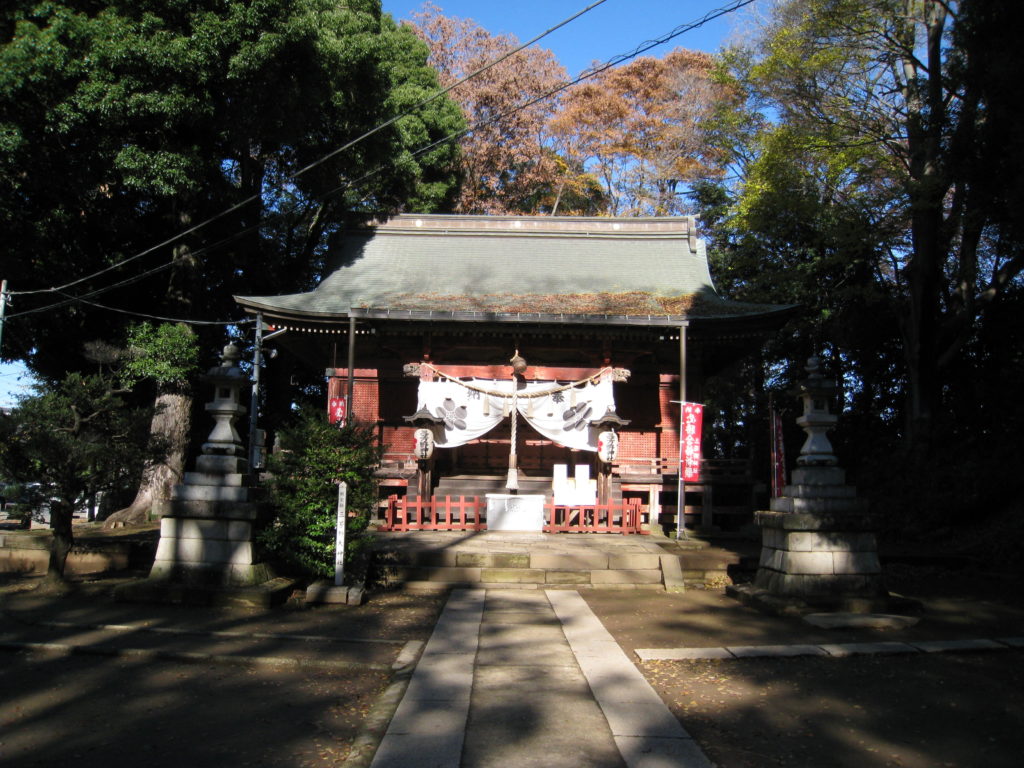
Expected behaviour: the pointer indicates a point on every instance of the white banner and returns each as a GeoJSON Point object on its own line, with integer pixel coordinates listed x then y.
{"type": "Point", "coordinates": [560, 413]}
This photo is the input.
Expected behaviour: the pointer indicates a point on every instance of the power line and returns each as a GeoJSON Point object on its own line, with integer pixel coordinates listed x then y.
{"type": "Point", "coordinates": [348, 145]}
{"type": "Point", "coordinates": [586, 74]}
{"type": "Point", "coordinates": [131, 280]}
{"type": "Point", "coordinates": [166, 319]}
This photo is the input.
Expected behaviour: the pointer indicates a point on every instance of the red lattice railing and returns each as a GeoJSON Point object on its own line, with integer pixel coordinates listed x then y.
{"type": "Point", "coordinates": [468, 513]}
{"type": "Point", "coordinates": [462, 513]}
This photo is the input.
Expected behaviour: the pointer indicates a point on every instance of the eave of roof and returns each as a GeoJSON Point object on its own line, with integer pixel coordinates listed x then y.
{"type": "Point", "coordinates": [566, 270]}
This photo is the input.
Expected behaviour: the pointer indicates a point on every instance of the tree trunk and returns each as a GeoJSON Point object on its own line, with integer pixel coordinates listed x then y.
{"type": "Point", "coordinates": [171, 424]}
{"type": "Point", "coordinates": [63, 539]}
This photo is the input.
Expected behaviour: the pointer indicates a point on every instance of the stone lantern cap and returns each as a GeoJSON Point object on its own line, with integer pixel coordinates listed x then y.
{"type": "Point", "coordinates": [228, 371]}
{"type": "Point", "coordinates": [815, 384]}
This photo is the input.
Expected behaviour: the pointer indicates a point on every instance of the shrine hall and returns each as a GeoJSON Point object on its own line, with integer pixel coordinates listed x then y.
{"type": "Point", "coordinates": [525, 373]}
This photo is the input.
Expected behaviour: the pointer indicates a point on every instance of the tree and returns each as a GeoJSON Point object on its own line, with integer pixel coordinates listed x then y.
{"type": "Point", "coordinates": [638, 128]}
{"type": "Point", "coordinates": [892, 94]}
{"type": "Point", "coordinates": [75, 439]}
{"type": "Point", "coordinates": [506, 161]}
{"type": "Point", "coordinates": [165, 357]}
{"type": "Point", "coordinates": [314, 457]}
{"type": "Point", "coordinates": [158, 116]}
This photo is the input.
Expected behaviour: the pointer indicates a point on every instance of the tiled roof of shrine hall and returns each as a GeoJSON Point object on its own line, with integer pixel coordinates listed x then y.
{"type": "Point", "coordinates": [636, 271]}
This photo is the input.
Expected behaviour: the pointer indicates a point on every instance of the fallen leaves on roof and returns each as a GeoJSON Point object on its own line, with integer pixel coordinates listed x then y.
{"type": "Point", "coordinates": [632, 303]}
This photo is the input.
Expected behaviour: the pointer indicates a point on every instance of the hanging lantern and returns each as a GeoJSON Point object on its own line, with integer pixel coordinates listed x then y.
{"type": "Point", "coordinates": [607, 447]}
{"type": "Point", "coordinates": [423, 444]}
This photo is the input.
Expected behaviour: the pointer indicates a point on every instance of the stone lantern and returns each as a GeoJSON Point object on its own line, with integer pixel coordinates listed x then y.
{"type": "Point", "coordinates": [207, 528]}
{"type": "Point", "coordinates": [818, 547]}
{"type": "Point", "coordinates": [816, 393]}
{"type": "Point", "coordinates": [227, 380]}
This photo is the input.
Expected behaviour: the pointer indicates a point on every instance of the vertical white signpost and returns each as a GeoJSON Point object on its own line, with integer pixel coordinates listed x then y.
{"type": "Point", "coordinates": [339, 536]}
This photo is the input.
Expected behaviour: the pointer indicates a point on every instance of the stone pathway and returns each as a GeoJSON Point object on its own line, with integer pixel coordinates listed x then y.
{"type": "Point", "coordinates": [529, 678]}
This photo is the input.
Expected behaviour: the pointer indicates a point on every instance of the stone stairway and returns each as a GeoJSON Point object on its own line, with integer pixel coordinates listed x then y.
{"type": "Point", "coordinates": [437, 561]}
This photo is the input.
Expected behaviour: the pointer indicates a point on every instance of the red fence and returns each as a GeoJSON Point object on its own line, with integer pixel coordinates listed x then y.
{"type": "Point", "coordinates": [466, 513]}
{"type": "Point", "coordinates": [625, 518]}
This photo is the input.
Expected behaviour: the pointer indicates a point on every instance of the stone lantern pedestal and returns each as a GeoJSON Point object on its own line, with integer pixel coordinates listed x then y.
{"type": "Point", "coordinates": [818, 546]}
{"type": "Point", "coordinates": [207, 527]}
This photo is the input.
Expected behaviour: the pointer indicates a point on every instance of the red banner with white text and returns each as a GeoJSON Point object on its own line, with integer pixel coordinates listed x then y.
{"type": "Point", "coordinates": [689, 442]}
{"type": "Point", "coordinates": [336, 411]}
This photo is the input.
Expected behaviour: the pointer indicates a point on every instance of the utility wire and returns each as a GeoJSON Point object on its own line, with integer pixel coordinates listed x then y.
{"type": "Point", "coordinates": [586, 74]}
{"type": "Point", "coordinates": [166, 319]}
{"type": "Point", "coordinates": [325, 158]}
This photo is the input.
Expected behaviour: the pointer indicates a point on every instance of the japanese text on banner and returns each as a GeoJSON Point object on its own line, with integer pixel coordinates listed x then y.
{"type": "Point", "coordinates": [689, 442]}
{"type": "Point", "coordinates": [337, 411]}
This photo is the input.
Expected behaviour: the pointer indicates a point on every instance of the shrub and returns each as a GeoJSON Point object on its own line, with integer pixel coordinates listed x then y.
{"type": "Point", "coordinates": [313, 458]}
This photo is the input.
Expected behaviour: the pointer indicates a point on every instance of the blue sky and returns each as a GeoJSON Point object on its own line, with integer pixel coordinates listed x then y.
{"type": "Point", "coordinates": [615, 27]}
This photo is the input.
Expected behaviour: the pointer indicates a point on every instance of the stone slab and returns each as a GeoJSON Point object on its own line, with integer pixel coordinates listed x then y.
{"type": "Point", "coordinates": [220, 510]}
{"type": "Point", "coordinates": [216, 478]}
{"type": "Point", "coordinates": [818, 476]}
{"type": "Point", "coordinates": [325, 593]}
{"type": "Point", "coordinates": [818, 541]}
{"type": "Point", "coordinates": [803, 563]}
{"type": "Point", "coordinates": [672, 574]}
{"type": "Point", "coordinates": [851, 649]}
{"type": "Point", "coordinates": [820, 491]}
{"type": "Point", "coordinates": [758, 651]}
{"type": "Point", "coordinates": [940, 646]}
{"type": "Point", "coordinates": [171, 550]}
{"type": "Point", "coordinates": [555, 653]}
{"type": "Point", "coordinates": [635, 576]}
{"type": "Point", "coordinates": [437, 750]}
{"type": "Point", "coordinates": [569, 560]}
{"type": "Point", "coordinates": [547, 619]}
{"type": "Point", "coordinates": [648, 717]}
{"type": "Point", "coordinates": [450, 575]}
{"type": "Point", "coordinates": [634, 561]}
{"type": "Point", "coordinates": [419, 716]}
{"type": "Point", "coordinates": [194, 528]}
{"type": "Point", "coordinates": [856, 563]}
{"type": "Point", "coordinates": [793, 521]}
{"type": "Point", "coordinates": [567, 577]}
{"type": "Point", "coordinates": [681, 654]}
{"type": "Point", "coordinates": [213, 493]}
{"type": "Point", "coordinates": [868, 620]}
{"type": "Point", "coordinates": [647, 752]}
{"type": "Point", "coordinates": [512, 575]}
{"type": "Point", "coordinates": [221, 465]}
{"type": "Point", "coordinates": [492, 559]}
{"type": "Point", "coordinates": [599, 649]}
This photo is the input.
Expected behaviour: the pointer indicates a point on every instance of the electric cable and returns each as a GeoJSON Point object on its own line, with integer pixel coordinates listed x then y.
{"type": "Point", "coordinates": [348, 145]}
{"type": "Point", "coordinates": [586, 74]}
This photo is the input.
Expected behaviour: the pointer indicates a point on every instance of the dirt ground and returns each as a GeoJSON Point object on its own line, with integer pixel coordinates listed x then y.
{"type": "Point", "coordinates": [940, 710]}
{"type": "Point", "coordinates": [95, 710]}
{"type": "Point", "coordinates": [911, 711]}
